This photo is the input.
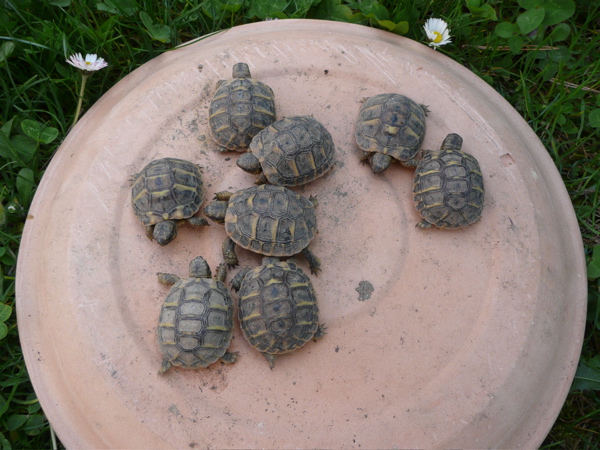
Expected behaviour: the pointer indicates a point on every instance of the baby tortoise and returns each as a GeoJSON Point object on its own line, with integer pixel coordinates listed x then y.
{"type": "Point", "coordinates": [195, 326]}
{"type": "Point", "coordinates": [277, 307]}
{"type": "Point", "coordinates": [390, 127]}
{"type": "Point", "coordinates": [448, 186]}
{"type": "Point", "coordinates": [290, 152]}
{"type": "Point", "coordinates": [240, 108]}
{"type": "Point", "coordinates": [166, 192]}
{"type": "Point", "coordinates": [269, 220]}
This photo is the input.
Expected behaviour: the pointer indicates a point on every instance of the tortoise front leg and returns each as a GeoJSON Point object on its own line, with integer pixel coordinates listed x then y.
{"type": "Point", "coordinates": [150, 232]}
{"type": "Point", "coordinates": [229, 255]}
{"type": "Point", "coordinates": [167, 278]}
{"type": "Point", "coordinates": [198, 221]}
{"type": "Point", "coordinates": [411, 163]}
{"type": "Point", "coordinates": [236, 283]}
{"type": "Point", "coordinates": [262, 179]}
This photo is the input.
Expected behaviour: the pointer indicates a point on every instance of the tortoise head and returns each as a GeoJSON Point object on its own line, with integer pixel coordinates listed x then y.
{"type": "Point", "coordinates": [241, 70]}
{"type": "Point", "coordinates": [165, 231]}
{"type": "Point", "coordinates": [199, 268]}
{"type": "Point", "coordinates": [380, 162]}
{"type": "Point", "coordinates": [216, 210]}
{"type": "Point", "coordinates": [452, 142]}
{"type": "Point", "coordinates": [248, 162]}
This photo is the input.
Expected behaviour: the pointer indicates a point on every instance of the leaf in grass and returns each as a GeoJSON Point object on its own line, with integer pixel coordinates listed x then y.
{"type": "Point", "coordinates": [34, 424]}
{"type": "Point", "coordinates": [515, 44]}
{"type": "Point", "coordinates": [3, 333]}
{"type": "Point", "coordinates": [594, 118]}
{"type": "Point", "coordinates": [25, 147]}
{"type": "Point", "coordinates": [157, 32]}
{"type": "Point", "coordinates": [233, 5]}
{"type": "Point", "coordinates": [478, 10]}
{"type": "Point", "coordinates": [25, 185]}
{"type": "Point", "coordinates": [587, 377]}
{"type": "Point", "coordinates": [4, 443]}
{"type": "Point", "coordinates": [126, 7]}
{"type": "Point", "coordinates": [397, 28]}
{"type": "Point", "coordinates": [33, 408]}
{"type": "Point", "coordinates": [3, 406]}
{"type": "Point", "coordinates": [332, 10]}
{"type": "Point", "coordinates": [262, 9]}
{"type": "Point", "coordinates": [506, 29]}
{"type": "Point", "coordinates": [530, 20]}
{"type": "Point", "coordinates": [558, 11]}
{"type": "Point", "coordinates": [15, 421]}
{"type": "Point", "coordinates": [374, 10]}
{"type": "Point", "coordinates": [530, 4]}
{"type": "Point", "coordinates": [593, 267]}
{"type": "Point", "coordinates": [39, 132]}
{"type": "Point", "coordinates": [560, 32]}
{"type": "Point", "coordinates": [19, 149]}
{"type": "Point", "coordinates": [5, 312]}
{"type": "Point", "coordinates": [6, 50]}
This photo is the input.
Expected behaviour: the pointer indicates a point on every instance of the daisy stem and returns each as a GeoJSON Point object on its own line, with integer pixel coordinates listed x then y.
{"type": "Point", "coordinates": [80, 101]}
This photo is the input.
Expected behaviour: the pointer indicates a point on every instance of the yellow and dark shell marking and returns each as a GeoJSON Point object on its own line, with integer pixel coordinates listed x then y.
{"type": "Point", "coordinates": [240, 108]}
{"type": "Point", "coordinates": [391, 124]}
{"type": "Point", "coordinates": [196, 323]}
{"type": "Point", "coordinates": [167, 189]}
{"type": "Point", "coordinates": [277, 308]}
{"type": "Point", "coordinates": [270, 220]}
{"type": "Point", "coordinates": [448, 187]}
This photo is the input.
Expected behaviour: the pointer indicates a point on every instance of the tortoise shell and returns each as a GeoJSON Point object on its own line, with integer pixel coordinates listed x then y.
{"type": "Point", "coordinates": [167, 189]}
{"type": "Point", "coordinates": [392, 125]}
{"type": "Point", "coordinates": [448, 187]}
{"type": "Point", "coordinates": [277, 308]}
{"type": "Point", "coordinates": [294, 150]}
{"type": "Point", "coordinates": [270, 220]}
{"type": "Point", "coordinates": [240, 108]}
{"type": "Point", "coordinates": [196, 320]}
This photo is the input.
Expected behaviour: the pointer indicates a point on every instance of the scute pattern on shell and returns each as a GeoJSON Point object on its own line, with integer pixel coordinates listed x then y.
{"type": "Point", "coordinates": [391, 124]}
{"type": "Point", "coordinates": [277, 308]}
{"type": "Point", "coordinates": [448, 189]}
{"type": "Point", "coordinates": [167, 188]}
{"type": "Point", "coordinates": [294, 150]}
{"type": "Point", "coordinates": [270, 220]}
{"type": "Point", "coordinates": [196, 323]}
{"type": "Point", "coordinates": [240, 108]}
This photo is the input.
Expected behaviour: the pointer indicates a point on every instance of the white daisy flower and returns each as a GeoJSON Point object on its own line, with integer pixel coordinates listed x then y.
{"type": "Point", "coordinates": [437, 32]}
{"type": "Point", "coordinates": [91, 63]}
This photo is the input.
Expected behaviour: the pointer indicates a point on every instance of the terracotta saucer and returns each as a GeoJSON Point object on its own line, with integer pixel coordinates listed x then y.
{"type": "Point", "coordinates": [464, 338]}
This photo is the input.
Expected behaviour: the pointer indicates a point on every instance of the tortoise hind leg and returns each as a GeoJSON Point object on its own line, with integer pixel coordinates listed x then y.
{"type": "Point", "coordinates": [423, 224]}
{"type": "Point", "coordinates": [229, 357]}
{"type": "Point", "coordinates": [321, 331]}
{"type": "Point", "coordinates": [271, 358]}
{"type": "Point", "coordinates": [166, 365]}
{"type": "Point", "coordinates": [313, 262]}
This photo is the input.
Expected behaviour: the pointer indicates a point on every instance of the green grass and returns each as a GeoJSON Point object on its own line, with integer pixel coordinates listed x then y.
{"type": "Point", "coordinates": [541, 55]}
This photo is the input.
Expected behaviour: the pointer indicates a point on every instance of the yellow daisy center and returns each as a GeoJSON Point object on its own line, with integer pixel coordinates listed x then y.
{"type": "Point", "coordinates": [87, 63]}
{"type": "Point", "coordinates": [438, 37]}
